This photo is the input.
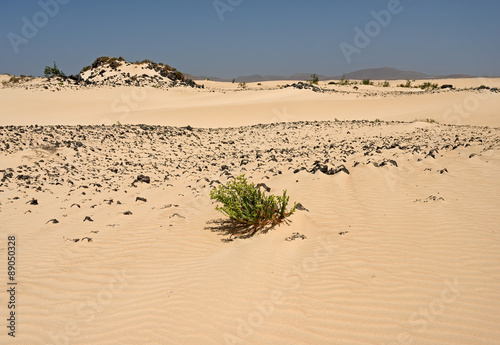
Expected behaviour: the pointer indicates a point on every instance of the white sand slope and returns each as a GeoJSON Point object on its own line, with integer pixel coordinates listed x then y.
{"type": "Point", "coordinates": [403, 249]}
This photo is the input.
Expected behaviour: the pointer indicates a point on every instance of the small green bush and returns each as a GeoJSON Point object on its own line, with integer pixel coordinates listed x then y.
{"type": "Point", "coordinates": [344, 81]}
{"type": "Point", "coordinates": [244, 203]}
{"type": "Point", "coordinates": [367, 82]}
{"type": "Point", "coordinates": [314, 79]}
{"type": "Point", "coordinates": [242, 85]}
{"type": "Point", "coordinates": [428, 86]}
{"type": "Point", "coordinates": [53, 71]}
{"type": "Point", "coordinates": [386, 84]}
{"type": "Point", "coordinates": [407, 84]}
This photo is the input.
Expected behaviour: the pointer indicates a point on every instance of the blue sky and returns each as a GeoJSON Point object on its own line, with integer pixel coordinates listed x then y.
{"type": "Point", "coordinates": [279, 37]}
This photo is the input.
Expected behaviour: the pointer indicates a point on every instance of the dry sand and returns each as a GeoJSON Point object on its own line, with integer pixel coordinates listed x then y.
{"type": "Point", "coordinates": [400, 237]}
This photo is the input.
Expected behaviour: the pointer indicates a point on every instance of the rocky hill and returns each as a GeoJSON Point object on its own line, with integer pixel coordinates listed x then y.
{"type": "Point", "coordinates": [110, 72]}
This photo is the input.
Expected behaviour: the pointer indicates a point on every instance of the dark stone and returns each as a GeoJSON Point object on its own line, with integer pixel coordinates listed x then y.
{"type": "Point", "coordinates": [33, 202]}
{"type": "Point", "coordinates": [263, 185]}
{"type": "Point", "coordinates": [143, 178]}
{"type": "Point", "coordinates": [447, 86]}
{"type": "Point", "coordinates": [53, 221]}
{"type": "Point", "coordinates": [140, 199]}
{"type": "Point", "coordinates": [301, 207]}
{"type": "Point", "coordinates": [295, 236]}
{"type": "Point", "coordinates": [88, 218]}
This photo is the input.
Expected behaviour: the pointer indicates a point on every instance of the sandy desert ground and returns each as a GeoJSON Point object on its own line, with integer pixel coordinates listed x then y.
{"type": "Point", "coordinates": [117, 241]}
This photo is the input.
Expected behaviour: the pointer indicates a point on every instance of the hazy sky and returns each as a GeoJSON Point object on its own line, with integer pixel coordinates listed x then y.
{"type": "Point", "coordinates": [229, 38]}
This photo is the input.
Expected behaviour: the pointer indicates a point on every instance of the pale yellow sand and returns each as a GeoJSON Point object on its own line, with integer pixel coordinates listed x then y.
{"type": "Point", "coordinates": [383, 262]}
{"type": "Point", "coordinates": [183, 106]}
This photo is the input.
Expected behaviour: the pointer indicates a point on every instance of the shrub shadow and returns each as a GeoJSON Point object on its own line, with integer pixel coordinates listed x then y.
{"type": "Point", "coordinates": [233, 230]}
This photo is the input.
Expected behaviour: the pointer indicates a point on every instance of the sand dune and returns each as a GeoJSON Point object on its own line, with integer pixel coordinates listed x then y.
{"type": "Point", "coordinates": [398, 245]}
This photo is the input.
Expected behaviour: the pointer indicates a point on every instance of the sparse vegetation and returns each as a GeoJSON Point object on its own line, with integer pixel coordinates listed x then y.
{"type": "Point", "coordinates": [367, 82]}
{"type": "Point", "coordinates": [407, 84]}
{"type": "Point", "coordinates": [430, 120]}
{"type": "Point", "coordinates": [428, 86]}
{"type": "Point", "coordinates": [53, 71]}
{"type": "Point", "coordinates": [16, 80]}
{"type": "Point", "coordinates": [85, 69]}
{"type": "Point", "coordinates": [145, 61]}
{"type": "Point", "coordinates": [242, 85]}
{"type": "Point", "coordinates": [344, 81]}
{"type": "Point", "coordinates": [386, 84]}
{"type": "Point", "coordinates": [377, 120]}
{"type": "Point", "coordinates": [234, 80]}
{"type": "Point", "coordinates": [259, 84]}
{"type": "Point", "coordinates": [314, 79]}
{"type": "Point", "coordinates": [244, 203]}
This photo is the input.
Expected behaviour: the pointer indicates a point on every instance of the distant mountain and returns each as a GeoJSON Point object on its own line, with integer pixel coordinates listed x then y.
{"type": "Point", "coordinates": [383, 73]}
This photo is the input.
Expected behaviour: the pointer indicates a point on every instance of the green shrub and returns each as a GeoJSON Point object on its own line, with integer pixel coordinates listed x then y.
{"type": "Point", "coordinates": [244, 203]}
{"type": "Point", "coordinates": [259, 84]}
{"type": "Point", "coordinates": [314, 79]}
{"type": "Point", "coordinates": [179, 75]}
{"type": "Point", "coordinates": [386, 84]}
{"type": "Point", "coordinates": [53, 71]}
{"type": "Point", "coordinates": [344, 81]}
{"type": "Point", "coordinates": [85, 69]}
{"type": "Point", "coordinates": [407, 84]}
{"type": "Point", "coordinates": [428, 86]}
{"type": "Point", "coordinates": [367, 82]}
{"type": "Point", "coordinates": [242, 85]}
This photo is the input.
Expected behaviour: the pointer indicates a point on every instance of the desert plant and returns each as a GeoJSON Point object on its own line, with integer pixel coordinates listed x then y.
{"type": "Point", "coordinates": [407, 84]}
{"type": "Point", "coordinates": [385, 84]}
{"type": "Point", "coordinates": [53, 71]}
{"type": "Point", "coordinates": [242, 85]}
{"type": "Point", "coordinates": [246, 204]}
{"type": "Point", "coordinates": [344, 81]}
{"type": "Point", "coordinates": [14, 80]}
{"type": "Point", "coordinates": [234, 80]}
{"type": "Point", "coordinates": [367, 82]}
{"type": "Point", "coordinates": [314, 79]}
{"type": "Point", "coordinates": [259, 84]}
{"type": "Point", "coordinates": [427, 85]}
{"type": "Point", "coordinates": [430, 120]}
